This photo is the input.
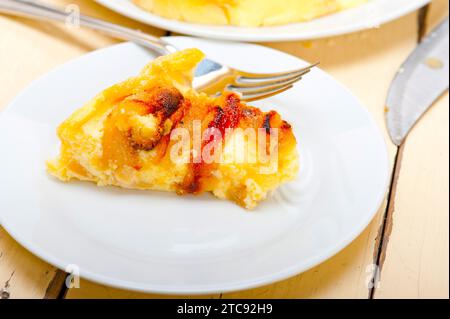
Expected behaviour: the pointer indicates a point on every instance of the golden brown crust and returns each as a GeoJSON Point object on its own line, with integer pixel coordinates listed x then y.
{"type": "Point", "coordinates": [122, 140]}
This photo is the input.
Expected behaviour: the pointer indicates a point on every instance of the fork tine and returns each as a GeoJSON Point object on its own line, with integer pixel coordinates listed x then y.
{"type": "Point", "coordinates": [250, 98]}
{"type": "Point", "coordinates": [245, 77]}
{"type": "Point", "coordinates": [255, 89]}
{"type": "Point", "coordinates": [255, 84]}
{"type": "Point", "coordinates": [259, 96]}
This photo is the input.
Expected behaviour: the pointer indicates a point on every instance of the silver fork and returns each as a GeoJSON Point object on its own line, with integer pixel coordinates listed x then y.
{"type": "Point", "coordinates": [210, 77]}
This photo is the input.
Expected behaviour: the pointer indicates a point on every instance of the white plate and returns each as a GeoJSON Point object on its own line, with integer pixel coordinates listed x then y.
{"type": "Point", "coordinates": [160, 242]}
{"type": "Point", "coordinates": [369, 15]}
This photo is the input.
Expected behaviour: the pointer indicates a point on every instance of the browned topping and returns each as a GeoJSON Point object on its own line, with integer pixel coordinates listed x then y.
{"type": "Point", "coordinates": [228, 116]}
{"type": "Point", "coordinates": [219, 118]}
{"type": "Point", "coordinates": [225, 116]}
{"type": "Point", "coordinates": [125, 132]}
{"type": "Point", "coordinates": [169, 100]}
{"type": "Point", "coordinates": [232, 111]}
{"type": "Point", "coordinates": [266, 123]}
{"type": "Point", "coordinates": [285, 125]}
{"type": "Point", "coordinates": [248, 112]}
{"type": "Point", "coordinates": [159, 101]}
{"type": "Point", "coordinates": [123, 137]}
{"type": "Point", "coordinates": [191, 184]}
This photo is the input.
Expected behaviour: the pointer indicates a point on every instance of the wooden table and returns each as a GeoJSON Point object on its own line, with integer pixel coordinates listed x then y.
{"type": "Point", "coordinates": [408, 240]}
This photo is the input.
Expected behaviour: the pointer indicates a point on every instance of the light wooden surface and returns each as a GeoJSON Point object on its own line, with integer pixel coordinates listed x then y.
{"type": "Point", "coordinates": [28, 49]}
{"type": "Point", "coordinates": [415, 256]}
{"type": "Point", "coordinates": [415, 260]}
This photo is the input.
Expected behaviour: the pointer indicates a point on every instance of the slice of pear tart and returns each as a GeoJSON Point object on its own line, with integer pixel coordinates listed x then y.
{"type": "Point", "coordinates": [153, 131]}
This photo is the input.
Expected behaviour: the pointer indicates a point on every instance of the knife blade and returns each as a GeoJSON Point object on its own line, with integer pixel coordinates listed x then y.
{"type": "Point", "coordinates": [419, 82]}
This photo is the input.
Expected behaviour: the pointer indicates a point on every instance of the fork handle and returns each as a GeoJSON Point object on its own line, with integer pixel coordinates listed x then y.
{"type": "Point", "coordinates": [37, 10]}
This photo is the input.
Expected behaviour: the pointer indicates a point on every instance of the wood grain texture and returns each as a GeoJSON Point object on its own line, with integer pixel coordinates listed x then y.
{"type": "Point", "coordinates": [22, 275]}
{"type": "Point", "coordinates": [437, 12]}
{"type": "Point", "coordinates": [416, 249]}
{"type": "Point", "coordinates": [29, 49]}
{"type": "Point", "coordinates": [416, 259]}
{"type": "Point", "coordinates": [365, 62]}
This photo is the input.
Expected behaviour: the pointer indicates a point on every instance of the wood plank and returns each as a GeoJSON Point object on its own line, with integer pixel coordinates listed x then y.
{"type": "Point", "coordinates": [438, 10]}
{"type": "Point", "coordinates": [343, 276]}
{"type": "Point", "coordinates": [416, 251]}
{"type": "Point", "coordinates": [22, 275]}
{"type": "Point", "coordinates": [91, 290]}
{"type": "Point", "coordinates": [365, 62]}
{"type": "Point", "coordinates": [29, 49]}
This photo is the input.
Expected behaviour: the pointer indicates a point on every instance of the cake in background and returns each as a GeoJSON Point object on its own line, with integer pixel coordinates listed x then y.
{"type": "Point", "coordinates": [249, 13]}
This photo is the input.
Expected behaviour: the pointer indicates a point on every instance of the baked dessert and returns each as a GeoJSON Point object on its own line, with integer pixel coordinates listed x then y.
{"type": "Point", "coordinates": [251, 13]}
{"type": "Point", "coordinates": [153, 131]}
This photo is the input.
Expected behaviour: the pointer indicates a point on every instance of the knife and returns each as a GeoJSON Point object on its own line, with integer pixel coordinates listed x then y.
{"type": "Point", "coordinates": [419, 82]}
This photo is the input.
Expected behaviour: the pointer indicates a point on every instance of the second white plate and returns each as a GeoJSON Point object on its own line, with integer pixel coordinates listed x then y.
{"type": "Point", "coordinates": [160, 242]}
{"type": "Point", "coordinates": [369, 15]}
